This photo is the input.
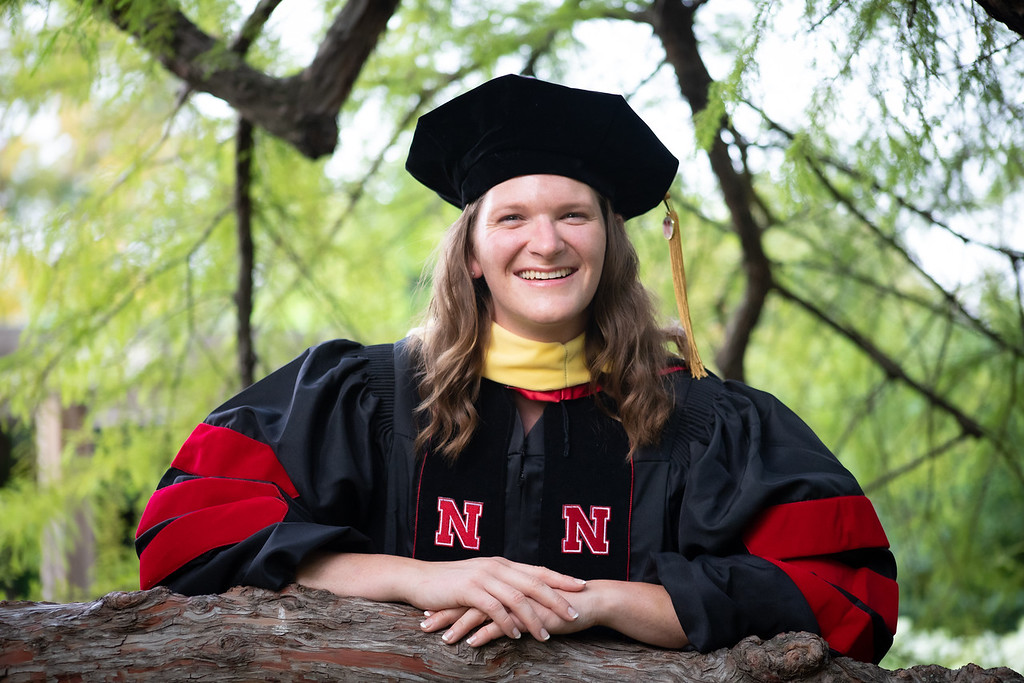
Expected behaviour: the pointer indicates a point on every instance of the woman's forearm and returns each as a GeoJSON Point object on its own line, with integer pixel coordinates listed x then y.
{"type": "Point", "coordinates": [507, 592]}
{"type": "Point", "coordinates": [375, 577]}
{"type": "Point", "coordinates": [642, 611]}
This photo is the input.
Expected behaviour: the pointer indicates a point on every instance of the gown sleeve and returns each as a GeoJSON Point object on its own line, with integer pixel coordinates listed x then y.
{"type": "Point", "coordinates": [284, 468]}
{"type": "Point", "coordinates": [773, 534]}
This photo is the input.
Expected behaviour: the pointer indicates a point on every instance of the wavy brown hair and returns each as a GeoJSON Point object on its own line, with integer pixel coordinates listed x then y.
{"type": "Point", "coordinates": [621, 336]}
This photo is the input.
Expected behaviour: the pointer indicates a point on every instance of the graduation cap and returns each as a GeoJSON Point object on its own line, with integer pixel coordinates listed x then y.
{"type": "Point", "coordinates": [515, 125]}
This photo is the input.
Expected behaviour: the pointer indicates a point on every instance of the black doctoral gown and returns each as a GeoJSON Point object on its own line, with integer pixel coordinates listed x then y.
{"type": "Point", "coordinates": [746, 518]}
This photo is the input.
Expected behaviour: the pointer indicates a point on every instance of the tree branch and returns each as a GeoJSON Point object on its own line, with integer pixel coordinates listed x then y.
{"type": "Point", "coordinates": [951, 298]}
{"type": "Point", "coordinates": [815, 164]}
{"type": "Point", "coordinates": [936, 307]}
{"type": "Point", "coordinates": [968, 425]}
{"type": "Point", "coordinates": [900, 200]}
{"type": "Point", "coordinates": [300, 109]}
{"type": "Point", "coordinates": [297, 634]}
{"type": "Point", "coordinates": [1007, 12]}
{"type": "Point", "coordinates": [893, 474]}
{"type": "Point", "coordinates": [253, 26]}
{"type": "Point", "coordinates": [351, 38]}
{"type": "Point", "coordinates": [672, 21]}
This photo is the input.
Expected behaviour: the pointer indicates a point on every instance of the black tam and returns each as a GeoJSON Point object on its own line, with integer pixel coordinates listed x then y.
{"type": "Point", "coordinates": [513, 126]}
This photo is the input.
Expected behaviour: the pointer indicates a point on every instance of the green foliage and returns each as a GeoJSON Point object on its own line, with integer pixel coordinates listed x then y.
{"type": "Point", "coordinates": [899, 128]}
{"type": "Point", "coordinates": [946, 496]}
{"type": "Point", "coordinates": [987, 650]}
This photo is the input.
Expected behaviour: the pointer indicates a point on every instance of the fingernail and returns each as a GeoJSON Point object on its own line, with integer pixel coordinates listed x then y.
{"type": "Point", "coordinates": [544, 635]}
{"type": "Point", "coordinates": [516, 633]}
{"type": "Point", "coordinates": [471, 641]}
{"type": "Point", "coordinates": [427, 613]}
{"type": "Point", "coordinates": [447, 636]}
{"type": "Point", "coordinates": [581, 582]}
{"type": "Point", "coordinates": [574, 614]}
{"type": "Point", "coordinates": [425, 624]}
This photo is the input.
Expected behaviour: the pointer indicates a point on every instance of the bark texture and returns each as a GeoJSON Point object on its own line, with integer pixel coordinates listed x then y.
{"type": "Point", "coordinates": [300, 634]}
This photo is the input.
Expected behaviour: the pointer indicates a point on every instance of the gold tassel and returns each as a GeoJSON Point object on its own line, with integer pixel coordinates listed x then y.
{"type": "Point", "coordinates": [670, 226]}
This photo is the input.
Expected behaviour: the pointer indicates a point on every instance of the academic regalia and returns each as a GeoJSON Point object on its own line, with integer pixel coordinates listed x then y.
{"type": "Point", "coordinates": [745, 517]}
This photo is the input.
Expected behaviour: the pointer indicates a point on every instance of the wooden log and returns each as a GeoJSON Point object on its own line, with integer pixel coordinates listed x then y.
{"type": "Point", "coordinates": [300, 634]}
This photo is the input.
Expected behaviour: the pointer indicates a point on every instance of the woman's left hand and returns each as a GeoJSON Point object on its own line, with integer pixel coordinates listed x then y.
{"type": "Point", "coordinates": [460, 621]}
{"type": "Point", "coordinates": [642, 611]}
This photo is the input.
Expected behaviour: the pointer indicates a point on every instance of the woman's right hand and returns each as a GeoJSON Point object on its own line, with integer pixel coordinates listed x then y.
{"type": "Point", "coordinates": [505, 591]}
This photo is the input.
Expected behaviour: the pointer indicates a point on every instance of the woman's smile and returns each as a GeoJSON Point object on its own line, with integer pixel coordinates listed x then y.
{"type": "Point", "coordinates": [559, 274]}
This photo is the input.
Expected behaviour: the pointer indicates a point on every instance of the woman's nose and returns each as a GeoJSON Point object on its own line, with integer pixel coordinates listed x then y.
{"type": "Point", "coordinates": [545, 237]}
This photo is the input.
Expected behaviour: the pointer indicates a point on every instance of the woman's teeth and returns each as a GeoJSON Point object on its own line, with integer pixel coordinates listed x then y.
{"type": "Point", "coordinates": [545, 275]}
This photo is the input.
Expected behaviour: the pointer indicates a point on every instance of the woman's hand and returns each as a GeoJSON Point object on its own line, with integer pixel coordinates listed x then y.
{"type": "Point", "coordinates": [462, 620]}
{"type": "Point", "coordinates": [640, 610]}
{"type": "Point", "coordinates": [499, 597]}
{"type": "Point", "coordinates": [514, 598]}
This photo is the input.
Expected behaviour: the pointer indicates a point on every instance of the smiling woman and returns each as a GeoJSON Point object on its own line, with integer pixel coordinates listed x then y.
{"type": "Point", "coordinates": [539, 245]}
{"type": "Point", "coordinates": [535, 459]}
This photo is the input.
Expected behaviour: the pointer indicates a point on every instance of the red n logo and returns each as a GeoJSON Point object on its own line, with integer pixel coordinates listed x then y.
{"type": "Point", "coordinates": [579, 529]}
{"type": "Point", "coordinates": [465, 525]}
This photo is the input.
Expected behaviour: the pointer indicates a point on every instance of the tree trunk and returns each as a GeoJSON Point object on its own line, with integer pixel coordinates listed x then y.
{"type": "Point", "coordinates": [672, 21]}
{"type": "Point", "coordinates": [300, 634]}
{"type": "Point", "coordinates": [246, 355]}
{"type": "Point", "coordinates": [68, 543]}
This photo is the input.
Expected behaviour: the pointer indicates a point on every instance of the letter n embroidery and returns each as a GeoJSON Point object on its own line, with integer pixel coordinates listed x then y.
{"type": "Point", "coordinates": [466, 525]}
{"type": "Point", "coordinates": [579, 529]}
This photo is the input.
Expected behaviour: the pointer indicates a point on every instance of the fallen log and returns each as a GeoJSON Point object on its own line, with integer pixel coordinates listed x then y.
{"type": "Point", "coordinates": [300, 634]}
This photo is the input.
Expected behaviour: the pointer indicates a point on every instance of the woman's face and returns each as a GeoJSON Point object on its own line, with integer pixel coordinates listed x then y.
{"type": "Point", "coordinates": [539, 243]}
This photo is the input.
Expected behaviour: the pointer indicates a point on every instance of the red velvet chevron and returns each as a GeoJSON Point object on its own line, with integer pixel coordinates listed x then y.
{"type": "Point", "coordinates": [799, 537]}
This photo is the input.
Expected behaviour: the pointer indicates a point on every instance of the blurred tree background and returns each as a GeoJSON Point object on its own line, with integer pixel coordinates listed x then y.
{"type": "Point", "coordinates": [191, 193]}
